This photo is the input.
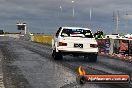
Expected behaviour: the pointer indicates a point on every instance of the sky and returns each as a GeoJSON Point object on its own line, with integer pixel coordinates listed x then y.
{"type": "Point", "coordinates": [46, 16]}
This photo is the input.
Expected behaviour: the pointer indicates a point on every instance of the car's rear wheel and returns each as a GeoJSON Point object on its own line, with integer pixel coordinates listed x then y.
{"type": "Point", "coordinates": [57, 55]}
{"type": "Point", "coordinates": [92, 58]}
{"type": "Point", "coordinates": [86, 58]}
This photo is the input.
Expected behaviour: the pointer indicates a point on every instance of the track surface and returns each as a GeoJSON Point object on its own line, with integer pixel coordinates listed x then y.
{"type": "Point", "coordinates": [30, 65]}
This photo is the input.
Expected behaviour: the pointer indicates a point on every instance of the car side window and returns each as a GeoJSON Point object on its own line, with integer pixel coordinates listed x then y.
{"type": "Point", "coordinates": [57, 34]}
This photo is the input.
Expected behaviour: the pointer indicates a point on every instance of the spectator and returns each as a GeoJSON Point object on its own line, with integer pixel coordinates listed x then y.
{"type": "Point", "coordinates": [98, 34]}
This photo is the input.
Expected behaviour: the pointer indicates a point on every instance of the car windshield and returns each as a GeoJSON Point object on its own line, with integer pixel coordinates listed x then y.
{"type": "Point", "coordinates": [76, 33]}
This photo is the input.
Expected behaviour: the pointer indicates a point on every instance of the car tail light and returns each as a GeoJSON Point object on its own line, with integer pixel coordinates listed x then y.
{"type": "Point", "coordinates": [62, 44]}
{"type": "Point", "coordinates": [93, 45]}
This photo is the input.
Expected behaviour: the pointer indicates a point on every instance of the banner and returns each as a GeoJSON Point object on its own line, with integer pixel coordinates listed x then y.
{"type": "Point", "coordinates": [130, 47]}
{"type": "Point", "coordinates": [116, 46]}
{"type": "Point", "coordinates": [107, 45]}
{"type": "Point", "coordinates": [124, 46]}
{"type": "Point", "coordinates": [103, 45]}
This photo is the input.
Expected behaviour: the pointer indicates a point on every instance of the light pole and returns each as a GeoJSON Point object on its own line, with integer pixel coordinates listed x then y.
{"type": "Point", "coordinates": [117, 22]}
{"type": "Point", "coordinates": [90, 14]}
{"type": "Point", "coordinates": [73, 10]}
{"type": "Point", "coordinates": [61, 5]}
{"type": "Point", "coordinates": [126, 22]}
{"type": "Point", "coordinates": [61, 8]}
{"type": "Point", "coordinates": [90, 18]}
{"type": "Point", "coordinates": [60, 15]}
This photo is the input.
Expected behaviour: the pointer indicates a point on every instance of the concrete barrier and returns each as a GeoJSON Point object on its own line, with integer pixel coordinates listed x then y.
{"type": "Point", "coordinates": [13, 35]}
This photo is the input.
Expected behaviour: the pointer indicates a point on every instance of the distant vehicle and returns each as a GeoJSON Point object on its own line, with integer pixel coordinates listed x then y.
{"type": "Point", "coordinates": [75, 41]}
{"type": "Point", "coordinates": [113, 36]}
{"type": "Point", "coordinates": [128, 36]}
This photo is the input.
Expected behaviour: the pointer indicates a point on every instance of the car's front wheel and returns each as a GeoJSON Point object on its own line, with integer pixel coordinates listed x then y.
{"type": "Point", "coordinates": [57, 55]}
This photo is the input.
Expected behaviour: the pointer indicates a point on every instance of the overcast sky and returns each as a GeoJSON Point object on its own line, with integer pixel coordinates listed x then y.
{"type": "Point", "coordinates": [46, 16]}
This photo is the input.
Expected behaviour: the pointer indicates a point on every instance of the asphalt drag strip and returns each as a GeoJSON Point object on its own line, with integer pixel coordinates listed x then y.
{"type": "Point", "coordinates": [73, 63]}
{"type": "Point", "coordinates": [24, 68]}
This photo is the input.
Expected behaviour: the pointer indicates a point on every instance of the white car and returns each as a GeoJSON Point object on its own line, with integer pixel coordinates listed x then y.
{"type": "Point", "coordinates": [75, 41]}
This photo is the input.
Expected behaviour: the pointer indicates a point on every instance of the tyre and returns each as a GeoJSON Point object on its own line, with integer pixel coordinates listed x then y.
{"type": "Point", "coordinates": [57, 55]}
{"type": "Point", "coordinates": [93, 58]}
{"type": "Point", "coordinates": [86, 58]}
{"type": "Point", "coordinates": [81, 80]}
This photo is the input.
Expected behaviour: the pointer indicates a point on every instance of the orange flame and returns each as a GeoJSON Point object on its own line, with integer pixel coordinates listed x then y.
{"type": "Point", "coordinates": [81, 71]}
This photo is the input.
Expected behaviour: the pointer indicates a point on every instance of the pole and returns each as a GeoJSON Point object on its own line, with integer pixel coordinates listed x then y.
{"type": "Point", "coordinates": [117, 22]}
{"type": "Point", "coordinates": [61, 5]}
{"type": "Point", "coordinates": [90, 18]}
{"type": "Point", "coordinates": [114, 21]}
{"type": "Point", "coordinates": [25, 29]}
{"type": "Point", "coordinates": [60, 13]}
{"type": "Point", "coordinates": [73, 10]}
{"type": "Point", "coordinates": [90, 14]}
{"type": "Point", "coordinates": [126, 22]}
{"type": "Point", "coordinates": [61, 8]}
